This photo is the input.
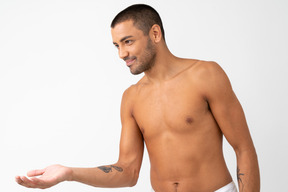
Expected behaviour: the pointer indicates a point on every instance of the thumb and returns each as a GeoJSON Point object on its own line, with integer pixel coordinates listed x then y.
{"type": "Point", "coordinates": [36, 172]}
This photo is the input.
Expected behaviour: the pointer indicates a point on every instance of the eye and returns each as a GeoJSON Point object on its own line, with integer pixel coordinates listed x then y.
{"type": "Point", "coordinates": [128, 42]}
{"type": "Point", "coordinates": [116, 45]}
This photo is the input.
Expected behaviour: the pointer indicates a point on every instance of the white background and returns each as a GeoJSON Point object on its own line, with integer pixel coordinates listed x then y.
{"type": "Point", "coordinates": [61, 81]}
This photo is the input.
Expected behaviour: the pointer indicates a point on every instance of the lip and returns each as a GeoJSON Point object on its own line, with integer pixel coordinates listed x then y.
{"type": "Point", "coordinates": [129, 62]}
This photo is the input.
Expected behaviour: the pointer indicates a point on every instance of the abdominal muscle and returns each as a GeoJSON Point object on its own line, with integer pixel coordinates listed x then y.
{"type": "Point", "coordinates": [187, 163]}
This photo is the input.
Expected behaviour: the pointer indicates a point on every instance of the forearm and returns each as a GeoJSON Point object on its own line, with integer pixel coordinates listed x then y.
{"type": "Point", "coordinates": [109, 176]}
{"type": "Point", "coordinates": [248, 171]}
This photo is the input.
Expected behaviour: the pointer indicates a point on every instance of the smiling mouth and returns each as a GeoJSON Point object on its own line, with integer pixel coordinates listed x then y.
{"type": "Point", "coordinates": [129, 62]}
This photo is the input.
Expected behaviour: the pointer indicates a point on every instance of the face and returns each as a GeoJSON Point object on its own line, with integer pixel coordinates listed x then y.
{"type": "Point", "coordinates": [136, 49]}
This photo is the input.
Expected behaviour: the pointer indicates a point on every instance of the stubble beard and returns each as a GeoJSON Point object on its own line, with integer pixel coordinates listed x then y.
{"type": "Point", "coordinates": [147, 61]}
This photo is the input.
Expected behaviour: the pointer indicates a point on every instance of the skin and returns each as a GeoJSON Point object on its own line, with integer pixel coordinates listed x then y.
{"type": "Point", "coordinates": [181, 109]}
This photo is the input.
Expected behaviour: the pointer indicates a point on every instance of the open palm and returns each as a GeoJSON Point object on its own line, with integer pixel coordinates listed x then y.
{"type": "Point", "coordinates": [48, 177]}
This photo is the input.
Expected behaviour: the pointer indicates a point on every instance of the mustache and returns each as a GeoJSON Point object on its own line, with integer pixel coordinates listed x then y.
{"type": "Point", "coordinates": [129, 58]}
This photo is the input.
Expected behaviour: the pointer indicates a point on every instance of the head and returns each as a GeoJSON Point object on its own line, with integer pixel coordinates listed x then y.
{"type": "Point", "coordinates": [131, 30]}
{"type": "Point", "coordinates": [143, 17]}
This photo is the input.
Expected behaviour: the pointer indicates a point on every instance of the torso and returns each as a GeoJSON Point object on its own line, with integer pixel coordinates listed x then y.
{"type": "Point", "coordinates": [182, 137]}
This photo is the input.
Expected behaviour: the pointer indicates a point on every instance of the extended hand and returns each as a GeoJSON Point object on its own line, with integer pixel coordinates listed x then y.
{"type": "Point", "coordinates": [49, 177]}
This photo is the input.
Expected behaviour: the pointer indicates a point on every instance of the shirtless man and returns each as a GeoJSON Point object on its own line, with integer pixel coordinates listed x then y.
{"type": "Point", "coordinates": [181, 108]}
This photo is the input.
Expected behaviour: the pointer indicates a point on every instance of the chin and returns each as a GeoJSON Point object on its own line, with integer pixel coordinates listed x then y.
{"type": "Point", "coordinates": [136, 72]}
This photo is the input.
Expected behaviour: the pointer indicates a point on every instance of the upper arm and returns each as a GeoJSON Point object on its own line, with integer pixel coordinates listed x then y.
{"type": "Point", "coordinates": [131, 142]}
{"type": "Point", "coordinates": [225, 107]}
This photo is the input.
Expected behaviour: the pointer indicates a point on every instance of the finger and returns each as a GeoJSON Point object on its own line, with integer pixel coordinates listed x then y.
{"type": "Point", "coordinates": [26, 182]}
{"type": "Point", "coordinates": [18, 180]}
{"type": "Point", "coordinates": [32, 182]}
{"type": "Point", "coordinates": [36, 172]}
{"type": "Point", "coordinates": [39, 183]}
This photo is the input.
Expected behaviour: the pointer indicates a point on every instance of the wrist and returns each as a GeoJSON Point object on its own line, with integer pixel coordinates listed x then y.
{"type": "Point", "coordinates": [69, 174]}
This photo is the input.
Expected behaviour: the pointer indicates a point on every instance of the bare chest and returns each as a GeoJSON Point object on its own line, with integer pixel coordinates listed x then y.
{"type": "Point", "coordinates": [172, 108]}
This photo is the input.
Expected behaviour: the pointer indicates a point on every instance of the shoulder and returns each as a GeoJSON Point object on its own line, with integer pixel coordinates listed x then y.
{"type": "Point", "coordinates": [210, 78]}
{"type": "Point", "coordinates": [132, 91]}
{"type": "Point", "coordinates": [129, 92]}
{"type": "Point", "coordinates": [206, 69]}
{"type": "Point", "coordinates": [204, 72]}
{"type": "Point", "coordinates": [127, 102]}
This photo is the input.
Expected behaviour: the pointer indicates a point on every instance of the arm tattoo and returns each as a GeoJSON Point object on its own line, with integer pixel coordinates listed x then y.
{"type": "Point", "coordinates": [105, 169]}
{"type": "Point", "coordinates": [117, 168]}
{"type": "Point", "coordinates": [239, 179]}
{"type": "Point", "coordinates": [108, 169]}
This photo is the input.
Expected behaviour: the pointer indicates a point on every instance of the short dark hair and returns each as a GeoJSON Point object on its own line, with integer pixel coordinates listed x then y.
{"type": "Point", "coordinates": [143, 16]}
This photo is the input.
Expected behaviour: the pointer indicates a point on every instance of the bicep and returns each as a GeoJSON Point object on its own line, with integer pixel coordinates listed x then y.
{"type": "Point", "coordinates": [230, 117]}
{"type": "Point", "coordinates": [227, 110]}
{"type": "Point", "coordinates": [131, 142]}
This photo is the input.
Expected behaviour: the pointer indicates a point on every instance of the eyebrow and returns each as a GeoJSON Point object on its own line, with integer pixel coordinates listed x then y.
{"type": "Point", "coordinates": [124, 38]}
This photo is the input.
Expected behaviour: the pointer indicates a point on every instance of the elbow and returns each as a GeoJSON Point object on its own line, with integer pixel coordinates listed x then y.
{"type": "Point", "coordinates": [132, 183]}
{"type": "Point", "coordinates": [133, 178]}
{"type": "Point", "coordinates": [130, 173]}
{"type": "Point", "coordinates": [248, 154]}
{"type": "Point", "coordinates": [245, 150]}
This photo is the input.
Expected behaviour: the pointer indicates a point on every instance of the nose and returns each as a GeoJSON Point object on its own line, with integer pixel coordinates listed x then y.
{"type": "Point", "coordinates": [123, 53]}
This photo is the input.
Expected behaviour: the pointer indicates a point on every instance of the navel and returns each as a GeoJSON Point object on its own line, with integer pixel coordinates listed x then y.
{"type": "Point", "coordinates": [176, 184]}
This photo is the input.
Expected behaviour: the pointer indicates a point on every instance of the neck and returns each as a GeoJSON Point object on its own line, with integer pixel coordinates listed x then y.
{"type": "Point", "coordinates": [165, 67]}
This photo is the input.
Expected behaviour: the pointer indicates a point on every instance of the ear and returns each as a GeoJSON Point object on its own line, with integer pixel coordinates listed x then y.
{"type": "Point", "coordinates": [155, 33]}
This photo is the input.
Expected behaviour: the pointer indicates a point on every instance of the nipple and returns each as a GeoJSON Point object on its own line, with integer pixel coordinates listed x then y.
{"type": "Point", "coordinates": [189, 120]}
